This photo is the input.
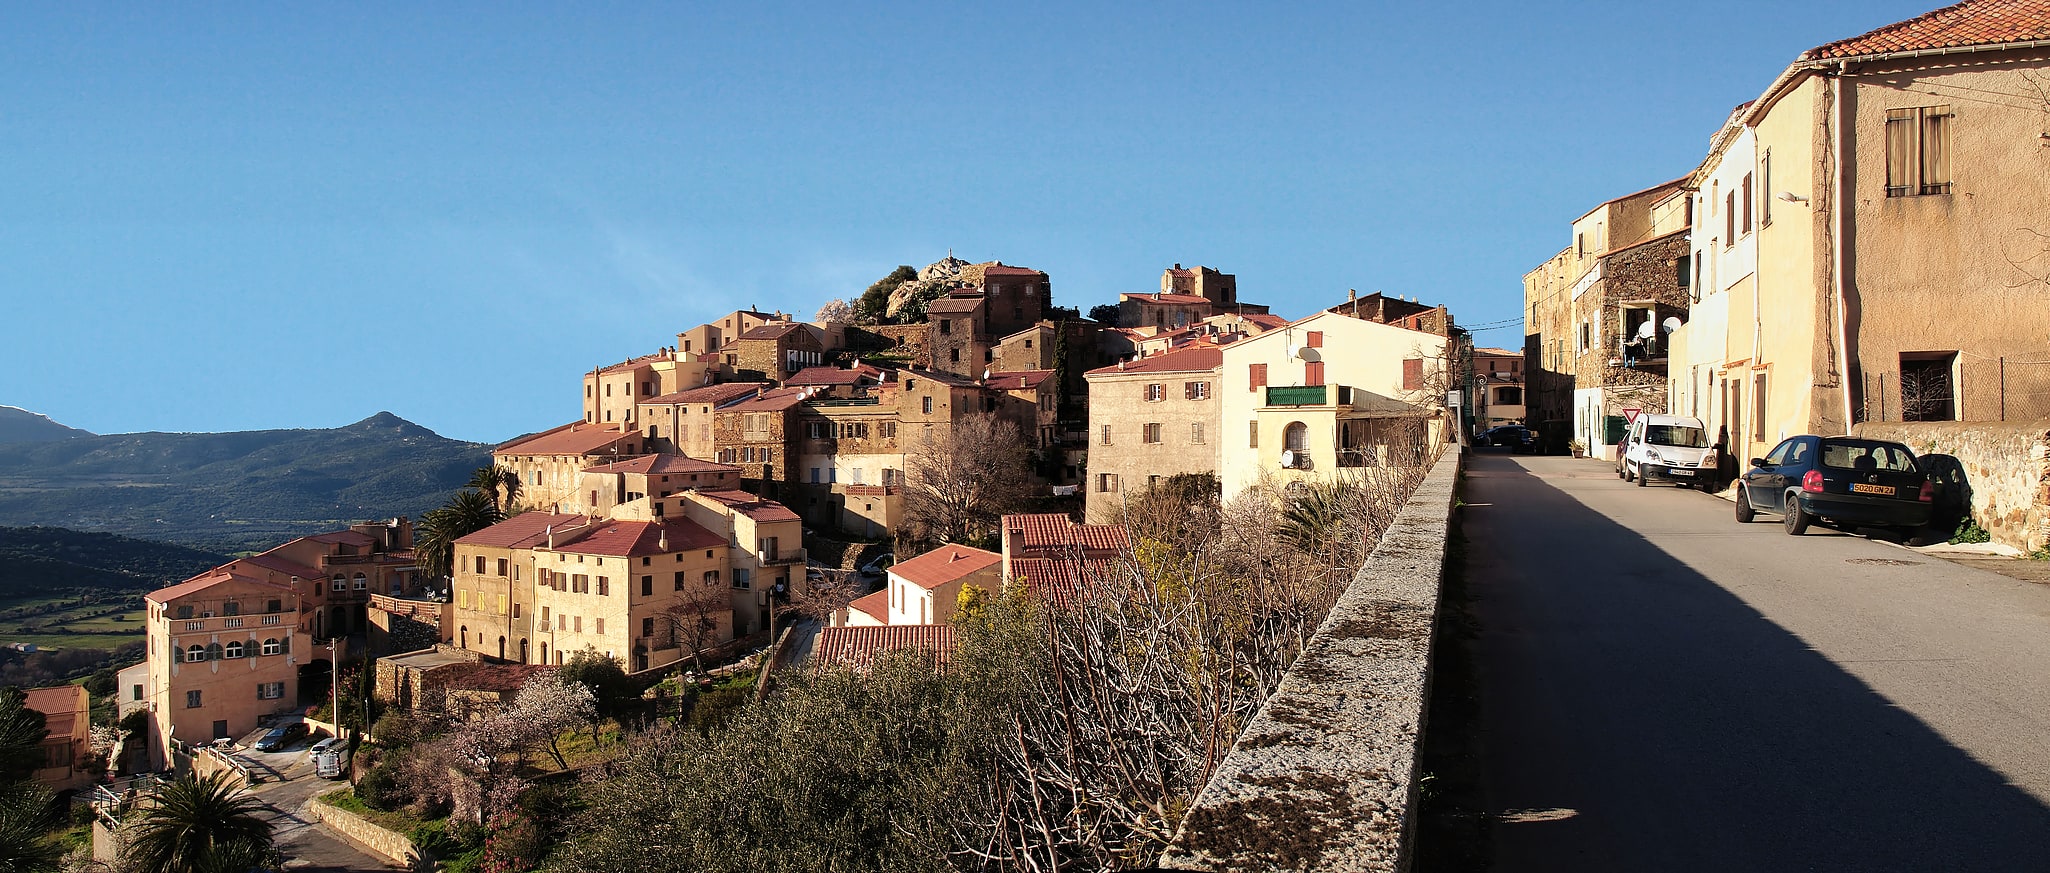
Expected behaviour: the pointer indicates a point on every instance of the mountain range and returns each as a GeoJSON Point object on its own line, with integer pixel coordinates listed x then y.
{"type": "Point", "coordinates": [238, 491]}
{"type": "Point", "coordinates": [18, 425]}
{"type": "Point", "coordinates": [48, 559]}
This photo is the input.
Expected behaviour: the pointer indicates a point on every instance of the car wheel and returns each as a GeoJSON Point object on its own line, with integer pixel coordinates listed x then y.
{"type": "Point", "coordinates": [1744, 511]}
{"type": "Point", "coordinates": [1640, 476]}
{"type": "Point", "coordinates": [1797, 519]}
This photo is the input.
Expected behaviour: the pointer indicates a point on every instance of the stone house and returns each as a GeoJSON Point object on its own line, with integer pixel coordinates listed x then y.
{"type": "Point", "coordinates": [1218, 288]}
{"type": "Point", "coordinates": [616, 393]}
{"type": "Point", "coordinates": [492, 592]}
{"type": "Point", "coordinates": [1498, 379]}
{"type": "Point", "coordinates": [711, 337]}
{"type": "Point", "coordinates": [775, 351]}
{"type": "Point", "coordinates": [1150, 419]}
{"type": "Point", "coordinates": [766, 551]}
{"type": "Point", "coordinates": [609, 485]}
{"type": "Point", "coordinates": [757, 436]}
{"type": "Point", "coordinates": [681, 422]}
{"type": "Point", "coordinates": [960, 339]}
{"type": "Point", "coordinates": [1163, 311]}
{"type": "Point", "coordinates": [1029, 399]}
{"type": "Point", "coordinates": [550, 464]}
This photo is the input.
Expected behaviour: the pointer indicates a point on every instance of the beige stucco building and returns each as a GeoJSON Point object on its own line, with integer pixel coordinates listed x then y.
{"type": "Point", "coordinates": [1149, 419]}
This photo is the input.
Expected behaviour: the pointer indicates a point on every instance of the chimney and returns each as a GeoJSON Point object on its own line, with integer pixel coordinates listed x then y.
{"type": "Point", "coordinates": [662, 542]}
{"type": "Point", "coordinates": [551, 536]}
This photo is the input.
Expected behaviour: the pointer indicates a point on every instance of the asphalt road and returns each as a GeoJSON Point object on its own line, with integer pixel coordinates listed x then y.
{"type": "Point", "coordinates": [1662, 689]}
{"type": "Point", "coordinates": [308, 846]}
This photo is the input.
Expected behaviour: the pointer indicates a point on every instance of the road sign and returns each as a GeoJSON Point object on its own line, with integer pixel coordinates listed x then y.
{"type": "Point", "coordinates": [1630, 414]}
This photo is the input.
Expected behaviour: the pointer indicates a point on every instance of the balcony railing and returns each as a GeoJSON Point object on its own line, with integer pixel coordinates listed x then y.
{"type": "Point", "coordinates": [781, 556]}
{"type": "Point", "coordinates": [843, 401]}
{"type": "Point", "coordinates": [1305, 395]}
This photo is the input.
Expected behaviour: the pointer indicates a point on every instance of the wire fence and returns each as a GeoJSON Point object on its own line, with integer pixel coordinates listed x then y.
{"type": "Point", "coordinates": [1975, 389]}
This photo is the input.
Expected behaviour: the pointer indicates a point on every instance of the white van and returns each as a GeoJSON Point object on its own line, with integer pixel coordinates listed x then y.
{"type": "Point", "coordinates": [1671, 448]}
{"type": "Point", "coordinates": [330, 758]}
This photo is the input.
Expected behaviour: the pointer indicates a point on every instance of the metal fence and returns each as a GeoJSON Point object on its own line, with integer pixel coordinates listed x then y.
{"type": "Point", "coordinates": [1983, 389]}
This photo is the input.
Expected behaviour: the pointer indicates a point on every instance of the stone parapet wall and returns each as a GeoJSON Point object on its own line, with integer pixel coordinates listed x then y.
{"type": "Point", "coordinates": [1325, 776]}
{"type": "Point", "coordinates": [387, 844]}
{"type": "Point", "coordinates": [2006, 467]}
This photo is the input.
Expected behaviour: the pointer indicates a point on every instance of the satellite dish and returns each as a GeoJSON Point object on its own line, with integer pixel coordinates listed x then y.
{"type": "Point", "coordinates": [1295, 351]}
{"type": "Point", "coordinates": [1288, 458]}
{"type": "Point", "coordinates": [1673, 323]}
{"type": "Point", "coordinates": [1646, 329]}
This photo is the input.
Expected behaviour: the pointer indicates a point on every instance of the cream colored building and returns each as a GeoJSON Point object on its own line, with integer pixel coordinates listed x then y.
{"type": "Point", "coordinates": [766, 547]}
{"type": "Point", "coordinates": [551, 464]}
{"type": "Point", "coordinates": [1150, 419]}
{"type": "Point", "coordinates": [1888, 195]}
{"type": "Point", "coordinates": [682, 421]}
{"type": "Point", "coordinates": [926, 589]}
{"type": "Point", "coordinates": [1326, 393]}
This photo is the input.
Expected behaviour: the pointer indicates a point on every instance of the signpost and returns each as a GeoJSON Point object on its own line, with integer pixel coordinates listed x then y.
{"type": "Point", "coordinates": [1630, 414]}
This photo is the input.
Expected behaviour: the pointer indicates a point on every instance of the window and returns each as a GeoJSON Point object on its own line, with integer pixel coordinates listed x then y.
{"type": "Point", "coordinates": [192, 700]}
{"type": "Point", "coordinates": [272, 646]}
{"type": "Point", "coordinates": [1313, 373]}
{"type": "Point", "coordinates": [576, 624]}
{"type": "Point", "coordinates": [598, 625]}
{"type": "Point", "coordinates": [1196, 390]}
{"type": "Point", "coordinates": [1765, 189]}
{"type": "Point", "coordinates": [544, 616]}
{"type": "Point", "coordinates": [1155, 391]}
{"type": "Point", "coordinates": [1758, 408]}
{"type": "Point", "coordinates": [1413, 374]}
{"type": "Point", "coordinates": [1295, 437]}
{"type": "Point", "coordinates": [1151, 433]}
{"type": "Point", "coordinates": [887, 430]}
{"type": "Point", "coordinates": [501, 566]}
{"type": "Point", "coordinates": [1918, 152]}
{"type": "Point", "coordinates": [711, 578]}
{"type": "Point", "coordinates": [1586, 337]}
{"type": "Point", "coordinates": [1106, 434]}
{"type": "Point", "coordinates": [953, 356]}
{"type": "Point", "coordinates": [1252, 434]}
{"type": "Point", "coordinates": [231, 607]}
{"type": "Point", "coordinates": [946, 325]}
{"type": "Point", "coordinates": [270, 691]}
{"type": "Point", "coordinates": [1730, 218]}
{"type": "Point", "coordinates": [195, 654]}
{"type": "Point", "coordinates": [604, 588]}
{"type": "Point", "coordinates": [1106, 483]}
{"type": "Point", "coordinates": [1926, 386]}
{"type": "Point", "coordinates": [1196, 433]}
{"type": "Point", "coordinates": [274, 606]}
{"type": "Point", "coordinates": [1744, 218]}
{"type": "Point", "coordinates": [742, 579]}
{"type": "Point", "coordinates": [1256, 376]}
{"type": "Point", "coordinates": [927, 405]}
{"type": "Point", "coordinates": [679, 581]}
{"type": "Point", "coordinates": [1315, 340]}
{"type": "Point", "coordinates": [647, 586]}
{"type": "Point", "coordinates": [480, 571]}
{"type": "Point", "coordinates": [647, 627]}
{"type": "Point", "coordinates": [135, 692]}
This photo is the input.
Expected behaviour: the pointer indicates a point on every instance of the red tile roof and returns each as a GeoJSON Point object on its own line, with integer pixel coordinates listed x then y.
{"type": "Point", "coordinates": [830, 376]}
{"type": "Point", "coordinates": [489, 678]}
{"type": "Point", "coordinates": [751, 506]}
{"type": "Point", "coordinates": [858, 647]}
{"type": "Point", "coordinates": [1177, 271]}
{"type": "Point", "coordinates": [575, 438]}
{"type": "Point", "coordinates": [523, 531]}
{"type": "Point", "coordinates": [772, 330]}
{"type": "Point", "coordinates": [60, 706]}
{"type": "Point", "coordinates": [955, 305]}
{"type": "Point", "coordinates": [280, 564]}
{"type": "Point", "coordinates": [1497, 353]}
{"type": "Point", "coordinates": [635, 538]}
{"type": "Point", "coordinates": [1267, 321]}
{"type": "Point", "coordinates": [876, 606]}
{"type": "Point", "coordinates": [1019, 380]}
{"type": "Point", "coordinates": [770, 401]}
{"type": "Point", "coordinates": [1971, 23]}
{"type": "Point", "coordinates": [1001, 269]}
{"type": "Point", "coordinates": [713, 394]}
{"type": "Point", "coordinates": [1062, 582]}
{"type": "Point", "coordinates": [216, 576]}
{"type": "Point", "coordinates": [1169, 299]}
{"type": "Point", "coordinates": [1184, 360]}
{"type": "Point", "coordinates": [945, 564]}
{"type": "Point", "coordinates": [1040, 532]}
{"type": "Point", "coordinates": [666, 462]}
{"type": "Point", "coordinates": [350, 537]}
{"type": "Point", "coordinates": [637, 363]}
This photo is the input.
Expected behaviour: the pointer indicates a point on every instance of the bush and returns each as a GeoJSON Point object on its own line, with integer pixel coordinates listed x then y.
{"type": "Point", "coordinates": [1969, 531]}
{"type": "Point", "coordinates": [379, 788]}
{"type": "Point", "coordinates": [713, 709]}
{"type": "Point", "coordinates": [433, 838]}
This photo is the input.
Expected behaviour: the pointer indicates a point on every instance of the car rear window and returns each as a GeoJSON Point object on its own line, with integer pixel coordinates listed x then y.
{"type": "Point", "coordinates": [1868, 456]}
{"type": "Point", "coordinates": [1676, 435]}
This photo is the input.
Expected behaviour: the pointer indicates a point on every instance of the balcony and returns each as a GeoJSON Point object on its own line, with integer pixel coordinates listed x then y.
{"type": "Point", "coordinates": [843, 401]}
{"type": "Point", "coordinates": [1306, 395]}
{"type": "Point", "coordinates": [780, 556]}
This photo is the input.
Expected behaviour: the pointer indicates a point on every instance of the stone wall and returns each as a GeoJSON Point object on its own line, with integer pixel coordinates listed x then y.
{"type": "Point", "coordinates": [391, 846]}
{"type": "Point", "coordinates": [1325, 776]}
{"type": "Point", "coordinates": [2005, 467]}
{"type": "Point", "coordinates": [399, 625]}
{"type": "Point", "coordinates": [906, 339]}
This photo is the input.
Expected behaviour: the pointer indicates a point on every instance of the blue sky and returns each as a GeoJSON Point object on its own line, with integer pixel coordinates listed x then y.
{"type": "Point", "coordinates": [221, 218]}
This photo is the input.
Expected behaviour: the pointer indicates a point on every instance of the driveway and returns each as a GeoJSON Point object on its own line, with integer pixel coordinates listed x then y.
{"type": "Point", "coordinates": [289, 784]}
{"type": "Point", "coordinates": [1661, 688]}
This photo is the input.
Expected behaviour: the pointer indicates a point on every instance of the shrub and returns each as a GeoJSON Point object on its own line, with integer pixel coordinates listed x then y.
{"type": "Point", "coordinates": [1969, 531]}
{"type": "Point", "coordinates": [379, 788]}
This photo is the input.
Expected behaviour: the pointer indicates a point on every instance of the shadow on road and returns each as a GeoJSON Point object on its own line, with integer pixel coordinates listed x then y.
{"type": "Point", "coordinates": [1634, 715]}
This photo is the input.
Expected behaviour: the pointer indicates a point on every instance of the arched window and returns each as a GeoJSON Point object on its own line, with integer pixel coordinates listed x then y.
{"type": "Point", "coordinates": [196, 653]}
{"type": "Point", "coordinates": [1295, 437]}
{"type": "Point", "coordinates": [184, 612]}
{"type": "Point", "coordinates": [360, 582]}
{"type": "Point", "coordinates": [523, 651]}
{"type": "Point", "coordinates": [544, 653]}
{"type": "Point", "coordinates": [270, 646]}
{"type": "Point", "coordinates": [463, 637]}
{"type": "Point", "coordinates": [234, 650]}
{"type": "Point", "coordinates": [231, 608]}
{"type": "Point", "coordinates": [501, 648]}
{"type": "Point", "coordinates": [213, 651]}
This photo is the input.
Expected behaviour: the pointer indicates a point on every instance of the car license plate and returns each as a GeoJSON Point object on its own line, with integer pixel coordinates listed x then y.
{"type": "Point", "coordinates": [1862, 488]}
{"type": "Point", "coordinates": [1678, 472]}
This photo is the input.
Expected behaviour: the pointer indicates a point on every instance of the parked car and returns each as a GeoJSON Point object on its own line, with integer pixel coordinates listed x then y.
{"type": "Point", "coordinates": [1517, 437]}
{"type": "Point", "coordinates": [1837, 481]}
{"type": "Point", "coordinates": [880, 565]}
{"type": "Point", "coordinates": [1667, 448]}
{"type": "Point", "coordinates": [330, 758]}
{"type": "Point", "coordinates": [281, 737]}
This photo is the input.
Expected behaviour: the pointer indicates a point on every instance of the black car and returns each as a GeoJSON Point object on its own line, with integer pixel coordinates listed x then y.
{"type": "Point", "coordinates": [1515, 436]}
{"type": "Point", "coordinates": [281, 736]}
{"type": "Point", "coordinates": [1838, 481]}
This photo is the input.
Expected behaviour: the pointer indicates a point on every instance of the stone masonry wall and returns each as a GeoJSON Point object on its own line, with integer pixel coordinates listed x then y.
{"type": "Point", "coordinates": [390, 845]}
{"type": "Point", "coordinates": [2006, 467]}
{"type": "Point", "coordinates": [1325, 776]}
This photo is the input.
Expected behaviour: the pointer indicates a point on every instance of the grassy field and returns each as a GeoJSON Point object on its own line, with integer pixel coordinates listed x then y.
{"type": "Point", "coordinates": [87, 632]}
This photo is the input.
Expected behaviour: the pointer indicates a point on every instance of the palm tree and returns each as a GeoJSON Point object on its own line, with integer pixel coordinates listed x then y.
{"type": "Point", "coordinates": [434, 540]}
{"type": "Point", "coordinates": [500, 484]}
{"type": "Point", "coordinates": [27, 813]}
{"type": "Point", "coordinates": [200, 826]}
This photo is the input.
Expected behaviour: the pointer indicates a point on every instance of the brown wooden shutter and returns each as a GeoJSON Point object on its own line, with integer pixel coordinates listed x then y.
{"type": "Point", "coordinates": [1313, 373]}
{"type": "Point", "coordinates": [1413, 374]}
{"type": "Point", "coordinates": [1257, 375]}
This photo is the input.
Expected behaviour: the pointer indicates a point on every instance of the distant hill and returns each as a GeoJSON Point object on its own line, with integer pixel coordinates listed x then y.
{"type": "Point", "coordinates": [19, 425]}
{"type": "Point", "coordinates": [234, 491]}
{"type": "Point", "coordinates": [40, 559]}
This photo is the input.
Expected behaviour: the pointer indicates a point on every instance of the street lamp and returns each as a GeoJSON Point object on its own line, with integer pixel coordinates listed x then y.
{"type": "Point", "coordinates": [334, 682]}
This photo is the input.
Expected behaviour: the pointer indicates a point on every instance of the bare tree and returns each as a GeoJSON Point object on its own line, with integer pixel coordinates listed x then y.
{"type": "Point", "coordinates": [693, 622]}
{"type": "Point", "coordinates": [961, 480]}
{"type": "Point", "coordinates": [835, 312]}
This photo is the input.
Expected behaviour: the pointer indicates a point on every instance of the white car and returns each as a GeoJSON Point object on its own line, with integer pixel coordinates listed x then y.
{"type": "Point", "coordinates": [1670, 448]}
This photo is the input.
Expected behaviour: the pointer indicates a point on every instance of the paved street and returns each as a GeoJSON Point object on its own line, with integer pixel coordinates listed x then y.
{"type": "Point", "coordinates": [1664, 689]}
{"type": "Point", "coordinates": [308, 846]}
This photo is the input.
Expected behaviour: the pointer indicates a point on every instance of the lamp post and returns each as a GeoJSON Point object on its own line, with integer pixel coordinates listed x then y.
{"type": "Point", "coordinates": [334, 682]}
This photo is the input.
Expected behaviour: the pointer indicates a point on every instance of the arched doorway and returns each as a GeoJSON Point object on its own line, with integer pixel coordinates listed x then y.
{"type": "Point", "coordinates": [544, 653]}
{"type": "Point", "coordinates": [501, 648]}
{"type": "Point", "coordinates": [523, 651]}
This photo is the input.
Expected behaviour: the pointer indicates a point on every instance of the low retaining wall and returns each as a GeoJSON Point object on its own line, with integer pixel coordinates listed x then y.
{"type": "Point", "coordinates": [2006, 466]}
{"type": "Point", "coordinates": [390, 845]}
{"type": "Point", "coordinates": [1324, 778]}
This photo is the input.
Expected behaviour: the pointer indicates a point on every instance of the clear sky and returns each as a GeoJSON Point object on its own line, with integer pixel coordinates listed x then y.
{"type": "Point", "coordinates": [240, 216]}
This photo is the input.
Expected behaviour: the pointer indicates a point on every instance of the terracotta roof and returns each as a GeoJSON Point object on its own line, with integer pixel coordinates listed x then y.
{"type": "Point", "coordinates": [1185, 360]}
{"type": "Point", "coordinates": [858, 647]}
{"type": "Point", "coordinates": [941, 376]}
{"type": "Point", "coordinates": [1973, 22]}
{"type": "Point", "coordinates": [955, 305]}
{"type": "Point", "coordinates": [666, 462]}
{"type": "Point", "coordinates": [637, 363]}
{"type": "Point", "coordinates": [60, 706]}
{"type": "Point", "coordinates": [575, 438]}
{"type": "Point", "coordinates": [751, 506]}
{"type": "Point", "coordinates": [1048, 531]}
{"type": "Point", "coordinates": [1019, 380]}
{"type": "Point", "coordinates": [770, 401]}
{"type": "Point", "coordinates": [491, 678]}
{"type": "Point", "coordinates": [945, 564]}
{"type": "Point", "coordinates": [523, 531]}
{"type": "Point", "coordinates": [1001, 269]}
{"type": "Point", "coordinates": [830, 376]}
{"type": "Point", "coordinates": [1498, 353]}
{"type": "Point", "coordinates": [354, 538]}
{"type": "Point", "coordinates": [216, 576]}
{"type": "Point", "coordinates": [1061, 582]}
{"type": "Point", "coordinates": [1267, 321]}
{"type": "Point", "coordinates": [1169, 299]}
{"type": "Point", "coordinates": [635, 538]}
{"type": "Point", "coordinates": [714, 394]}
{"type": "Point", "coordinates": [773, 330]}
{"type": "Point", "coordinates": [876, 606]}
{"type": "Point", "coordinates": [280, 564]}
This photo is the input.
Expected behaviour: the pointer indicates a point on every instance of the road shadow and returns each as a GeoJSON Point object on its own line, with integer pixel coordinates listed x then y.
{"type": "Point", "coordinates": [1633, 715]}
